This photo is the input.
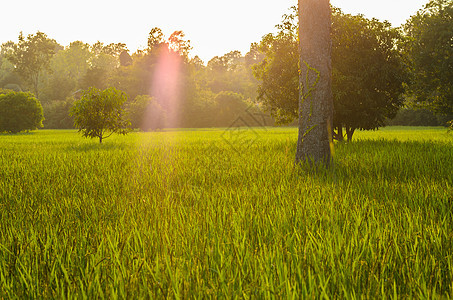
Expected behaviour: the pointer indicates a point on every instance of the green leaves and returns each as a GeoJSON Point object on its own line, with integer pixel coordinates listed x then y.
{"type": "Point", "coordinates": [19, 111]}
{"type": "Point", "coordinates": [430, 55]}
{"type": "Point", "coordinates": [99, 114]}
{"type": "Point", "coordinates": [367, 67]}
{"type": "Point", "coordinates": [30, 56]}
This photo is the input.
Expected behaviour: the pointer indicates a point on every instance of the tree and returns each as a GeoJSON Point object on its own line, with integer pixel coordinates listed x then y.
{"type": "Point", "coordinates": [19, 111]}
{"type": "Point", "coordinates": [430, 55]}
{"type": "Point", "coordinates": [57, 114]}
{"type": "Point", "coordinates": [228, 107]}
{"type": "Point", "coordinates": [145, 113]}
{"type": "Point", "coordinates": [31, 56]}
{"type": "Point", "coordinates": [315, 93]}
{"type": "Point", "coordinates": [99, 114]}
{"type": "Point", "coordinates": [68, 67]}
{"type": "Point", "coordinates": [9, 79]}
{"type": "Point", "coordinates": [278, 71]}
{"type": "Point", "coordinates": [367, 72]}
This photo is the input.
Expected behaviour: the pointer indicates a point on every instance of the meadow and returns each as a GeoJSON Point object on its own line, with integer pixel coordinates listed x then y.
{"type": "Point", "coordinates": [224, 213]}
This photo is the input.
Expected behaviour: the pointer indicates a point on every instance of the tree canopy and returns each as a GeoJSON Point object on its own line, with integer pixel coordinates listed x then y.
{"type": "Point", "coordinates": [367, 66]}
{"type": "Point", "coordinates": [19, 111]}
{"type": "Point", "coordinates": [99, 114]}
{"type": "Point", "coordinates": [30, 56]}
{"type": "Point", "coordinates": [430, 55]}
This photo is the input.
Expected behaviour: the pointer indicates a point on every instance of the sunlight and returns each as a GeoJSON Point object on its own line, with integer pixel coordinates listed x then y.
{"type": "Point", "coordinates": [165, 88]}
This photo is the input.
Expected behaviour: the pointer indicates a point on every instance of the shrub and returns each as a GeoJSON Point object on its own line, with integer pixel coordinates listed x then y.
{"type": "Point", "coordinates": [19, 112]}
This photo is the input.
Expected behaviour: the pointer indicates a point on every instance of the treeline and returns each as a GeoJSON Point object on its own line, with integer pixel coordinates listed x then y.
{"type": "Point", "coordinates": [162, 80]}
{"type": "Point", "coordinates": [378, 73]}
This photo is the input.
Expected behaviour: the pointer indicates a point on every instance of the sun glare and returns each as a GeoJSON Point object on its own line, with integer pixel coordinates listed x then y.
{"type": "Point", "coordinates": [165, 88]}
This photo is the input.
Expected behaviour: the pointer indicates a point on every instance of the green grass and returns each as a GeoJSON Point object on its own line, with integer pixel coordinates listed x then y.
{"type": "Point", "coordinates": [215, 213]}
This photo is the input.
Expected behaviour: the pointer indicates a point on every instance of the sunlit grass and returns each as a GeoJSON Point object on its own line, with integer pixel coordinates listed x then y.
{"type": "Point", "coordinates": [217, 213]}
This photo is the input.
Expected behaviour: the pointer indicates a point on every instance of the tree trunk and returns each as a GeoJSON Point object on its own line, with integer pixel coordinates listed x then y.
{"type": "Point", "coordinates": [349, 133]}
{"type": "Point", "coordinates": [315, 96]}
{"type": "Point", "coordinates": [340, 136]}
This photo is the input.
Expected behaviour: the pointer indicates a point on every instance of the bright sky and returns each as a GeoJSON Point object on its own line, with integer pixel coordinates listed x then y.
{"type": "Point", "coordinates": [214, 27]}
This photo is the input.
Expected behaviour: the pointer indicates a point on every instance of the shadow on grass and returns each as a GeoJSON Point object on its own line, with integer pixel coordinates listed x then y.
{"type": "Point", "coordinates": [19, 133]}
{"type": "Point", "coordinates": [88, 147]}
{"type": "Point", "coordinates": [398, 161]}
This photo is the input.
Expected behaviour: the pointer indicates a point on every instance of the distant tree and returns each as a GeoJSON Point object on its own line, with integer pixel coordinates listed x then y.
{"type": "Point", "coordinates": [430, 54]}
{"type": "Point", "coordinates": [178, 44]}
{"type": "Point", "coordinates": [228, 107]}
{"type": "Point", "coordinates": [367, 72]}
{"type": "Point", "coordinates": [99, 114]}
{"type": "Point", "coordinates": [31, 56]}
{"type": "Point", "coordinates": [125, 59]}
{"type": "Point", "coordinates": [315, 93]}
{"type": "Point", "coordinates": [155, 38]}
{"type": "Point", "coordinates": [57, 114]}
{"type": "Point", "coordinates": [9, 79]}
{"type": "Point", "coordinates": [19, 111]}
{"type": "Point", "coordinates": [95, 77]}
{"type": "Point", "coordinates": [408, 116]}
{"type": "Point", "coordinates": [68, 67]}
{"type": "Point", "coordinates": [145, 113]}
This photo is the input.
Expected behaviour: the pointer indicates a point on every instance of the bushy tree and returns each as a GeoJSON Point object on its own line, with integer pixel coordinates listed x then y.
{"type": "Point", "coordinates": [367, 72]}
{"type": "Point", "coordinates": [228, 107]}
{"type": "Point", "coordinates": [19, 111]}
{"type": "Point", "coordinates": [99, 114]}
{"type": "Point", "coordinates": [430, 54]}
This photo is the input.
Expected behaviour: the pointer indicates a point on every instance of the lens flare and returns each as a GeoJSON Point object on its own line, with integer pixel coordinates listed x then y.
{"type": "Point", "coordinates": [166, 88]}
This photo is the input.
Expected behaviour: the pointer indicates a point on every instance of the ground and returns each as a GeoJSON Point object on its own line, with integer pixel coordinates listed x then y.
{"type": "Point", "coordinates": [225, 213]}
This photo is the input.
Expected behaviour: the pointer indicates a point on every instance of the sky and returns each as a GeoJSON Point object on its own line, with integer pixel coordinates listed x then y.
{"type": "Point", "coordinates": [213, 27]}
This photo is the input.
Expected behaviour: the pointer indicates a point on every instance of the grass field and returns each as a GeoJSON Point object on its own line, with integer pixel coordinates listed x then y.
{"type": "Point", "coordinates": [225, 214]}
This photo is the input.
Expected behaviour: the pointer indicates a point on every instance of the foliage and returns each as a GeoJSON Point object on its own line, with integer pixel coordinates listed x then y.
{"type": "Point", "coordinates": [30, 56]}
{"type": "Point", "coordinates": [80, 66]}
{"type": "Point", "coordinates": [19, 111]}
{"type": "Point", "coordinates": [368, 72]}
{"type": "Point", "coordinates": [182, 215]}
{"type": "Point", "coordinates": [228, 107]}
{"type": "Point", "coordinates": [278, 72]}
{"type": "Point", "coordinates": [57, 114]}
{"type": "Point", "coordinates": [145, 113]}
{"type": "Point", "coordinates": [99, 114]}
{"type": "Point", "coordinates": [418, 117]}
{"type": "Point", "coordinates": [430, 54]}
{"type": "Point", "coordinates": [68, 68]}
{"type": "Point", "coordinates": [367, 79]}
{"type": "Point", "coordinates": [9, 79]}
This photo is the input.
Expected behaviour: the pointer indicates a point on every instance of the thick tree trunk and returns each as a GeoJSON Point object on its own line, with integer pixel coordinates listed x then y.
{"type": "Point", "coordinates": [315, 99]}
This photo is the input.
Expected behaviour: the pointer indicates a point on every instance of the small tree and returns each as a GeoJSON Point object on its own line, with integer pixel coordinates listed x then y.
{"type": "Point", "coordinates": [19, 111]}
{"type": "Point", "coordinates": [99, 114]}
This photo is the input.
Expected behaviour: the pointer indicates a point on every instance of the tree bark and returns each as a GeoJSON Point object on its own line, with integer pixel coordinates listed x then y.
{"type": "Point", "coordinates": [315, 96]}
